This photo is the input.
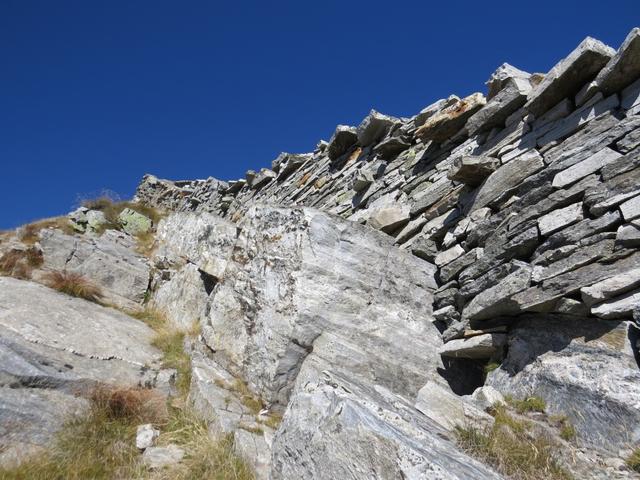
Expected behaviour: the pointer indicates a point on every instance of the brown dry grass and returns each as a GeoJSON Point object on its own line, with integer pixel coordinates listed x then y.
{"type": "Point", "coordinates": [30, 234]}
{"type": "Point", "coordinates": [112, 209]}
{"type": "Point", "coordinates": [74, 284]}
{"type": "Point", "coordinates": [20, 263]}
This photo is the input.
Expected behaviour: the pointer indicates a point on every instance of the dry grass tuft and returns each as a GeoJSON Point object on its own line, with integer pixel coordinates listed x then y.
{"type": "Point", "coordinates": [20, 263]}
{"type": "Point", "coordinates": [74, 284]}
{"type": "Point", "coordinates": [206, 458]}
{"type": "Point", "coordinates": [30, 234]}
{"type": "Point", "coordinates": [112, 207]}
{"type": "Point", "coordinates": [137, 405]}
{"type": "Point", "coordinates": [513, 448]}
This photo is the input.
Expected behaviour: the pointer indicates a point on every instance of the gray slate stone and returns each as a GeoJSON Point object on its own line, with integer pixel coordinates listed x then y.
{"type": "Point", "coordinates": [342, 140]}
{"type": "Point", "coordinates": [511, 97]}
{"type": "Point", "coordinates": [624, 67]}
{"type": "Point", "coordinates": [569, 75]}
{"type": "Point", "coordinates": [472, 170]}
{"type": "Point", "coordinates": [484, 346]}
{"type": "Point", "coordinates": [134, 223]}
{"type": "Point", "coordinates": [373, 128]}
{"type": "Point", "coordinates": [156, 458]}
{"type": "Point", "coordinates": [506, 178]}
{"type": "Point", "coordinates": [585, 167]}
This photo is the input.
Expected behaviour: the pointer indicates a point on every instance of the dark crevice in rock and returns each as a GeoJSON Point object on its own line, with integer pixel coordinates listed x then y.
{"type": "Point", "coordinates": [208, 281]}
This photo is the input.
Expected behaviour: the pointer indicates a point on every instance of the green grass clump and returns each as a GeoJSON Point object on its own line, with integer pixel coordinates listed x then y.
{"type": "Point", "coordinates": [512, 448]}
{"type": "Point", "coordinates": [529, 404]}
{"type": "Point", "coordinates": [633, 461]}
{"type": "Point", "coordinates": [567, 432]}
{"type": "Point", "coordinates": [170, 341]}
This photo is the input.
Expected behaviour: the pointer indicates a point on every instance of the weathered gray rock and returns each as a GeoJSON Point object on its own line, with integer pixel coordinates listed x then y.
{"type": "Point", "coordinates": [373, 128]}
{"type": "Point", "coordinates": [448, 121]}
{"type": "Point", "coordinates": [611, 287]}
{"type": "Point", "coordinates": [263, 177]}
{"type": "Point", "coordinates": [207, 245]}
{"type": "Point", "coordinates": [449, 255]}
{"type": "Point", "coordinates": [495, 301]}
{"type": "Point", "coordinates": [489, 345]}
{"type": "Point", "coordinates": [502, 77]}
{"type": "Point", "coordinates": [510, 98]}
{"type": "Point", "coordinates": [183, 296]}
{"type": "Point", "coordinates": [342, 140]}
{"type": "Point", "coordinates": [146, 436]}
{"type": "Point", "coordinates": [391, 147]}
{"type": "Point", "coordinates": [507, 178]}
{"type": "Point", "coordinates": [389, 218]}
{"type": "Point", "coordinates": [255, 448]}
{"type": "Point", "coordinates": [631, 208]}
{"type": "Point", "coordinates": [559, 219]}
{"type": "Point", "coordinates": [540, 297]}
{"type": "Point", "coordinates": [618, 308]}
{"type": "Point", "coordinates": [134, 223]}
{"type": "Point", "coordinates": [582, 368]}
{"type": "Point", "coordinates": [156, 458]}
{"type": "Point", "coordinates": [487, 397]}
{"type": "Point", "coordinates": [287, 163]}
{"type": "Point", "coordinates": [585, 167]}
{"type": "Point", "coordinates": [569, 75]}
{"type": "Point", "coordinates": [624, 67]}
{"type": "Point", "coordinates": [110, 261]}
{"type": "Point", "coordinates": [29, 419]}
{"type": "Point", "coordinates": [85, 220]}
{"type": "Point", "coordinates": [363, 432]}
{"type": "Point", "coordinates": [49, 354]}
{"type": "Point", "coordinates": [442, 406]}
{"type": "Point", "coordinates": [628, 235]}
{"type": "Point", "coordinates": [472, 170]}
{"type": "Point", "coordinates": [434, 108]}
{"type": "Point", "coordinates": [317, 281]}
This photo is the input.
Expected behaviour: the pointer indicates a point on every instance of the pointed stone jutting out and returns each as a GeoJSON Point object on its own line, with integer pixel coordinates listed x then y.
{"type": "Point", "coordinates": [569, 75]}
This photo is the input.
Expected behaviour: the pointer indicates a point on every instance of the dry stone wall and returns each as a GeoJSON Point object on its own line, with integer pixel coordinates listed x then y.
{"type": "Point", "coordinates": [528, 196]}
{"type": "Point", "coordinates": [523, 205]}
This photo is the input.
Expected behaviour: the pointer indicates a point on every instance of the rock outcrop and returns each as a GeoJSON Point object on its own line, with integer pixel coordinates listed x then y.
{"type": "Point", "coordinates": [50, 355]}
{"type": "Point", "coordinates": [353, 300]}
{"type": "Point", "coordinates": [522, 208]}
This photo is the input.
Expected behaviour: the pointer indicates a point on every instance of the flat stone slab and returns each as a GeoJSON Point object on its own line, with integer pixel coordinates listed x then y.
{"type": "Point", "coordinates": [478, 347]}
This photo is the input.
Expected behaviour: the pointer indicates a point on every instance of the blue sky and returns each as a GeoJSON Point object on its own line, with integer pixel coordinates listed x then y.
{"type": "Point", "coordinates": [93, 94]}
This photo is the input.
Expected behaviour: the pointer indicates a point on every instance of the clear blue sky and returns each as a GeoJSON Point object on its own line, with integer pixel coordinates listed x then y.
{"type": "Point", "coordinates": [93, 94]}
